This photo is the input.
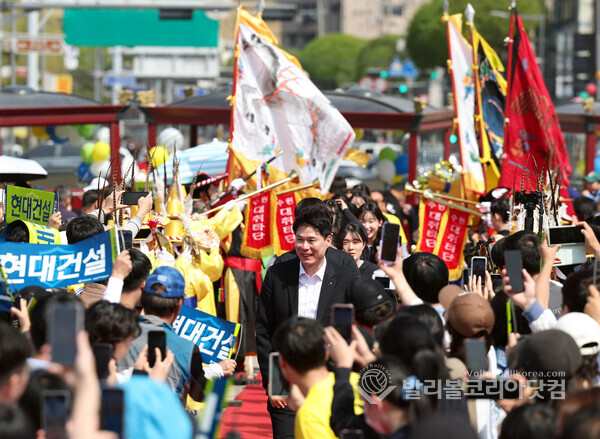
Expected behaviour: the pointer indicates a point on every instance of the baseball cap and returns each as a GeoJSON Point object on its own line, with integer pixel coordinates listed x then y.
{"type": "Point", "coordinates": [368, 293]}
{"type": "Point", "coordinates": [96, 183]}
{"type": "Point", "coordinates": [584, 330]}
{"type": "Point", "coordinates": [448, 294]}
{"type": "Point", "coordinates": [592, 177]}
{"type": "Point", "coordinates": [547, 351]}
{"type": "Point", "coordinates": [168, 277]}
{"type": "Point", "coordinates": [470, 314]}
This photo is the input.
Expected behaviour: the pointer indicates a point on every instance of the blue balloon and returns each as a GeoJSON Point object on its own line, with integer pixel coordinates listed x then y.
{"type": "Point", "coordinates": [51, 130]}
{"type": "Point", "coordinates": [597, 164]}
{"type": "Point", "coordinates": [401, 164]}
{"type": "Point", "coordinates": [83, 172]}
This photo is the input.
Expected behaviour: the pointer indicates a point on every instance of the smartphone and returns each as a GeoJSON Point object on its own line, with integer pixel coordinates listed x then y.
{"type": "Point", "coordinates": [125, 239]}
{"type": "Point", "coordinates": [390, 240]}
{"type": "Point", "coordinates": [478, 267]}
{"type": "Point", "coordinates": [476, 354]}
{"type": "Point", "coordinates": [565, 235]}
{"type": "Point", "coordinates": [465, 276]}
{"type": "Point", "coordinates": [514, 269]}
{"type": "Point", "coordinates": [278, 385]}
{"type": "Point", "coordinates": [383, 280]}
{"type": "Point", "coordinates": [497, 284]}
{"type": "Point", "coordinates": [103, 353]}
{"type": "Point", "coordinates": [112, 410]}
{"type": "Point", "coordinates": [156, 339]}
{"type": "Point", "coordinates": [342, 317]}
{"type": "Point", "coordinates": [55, 412]}
{"type": "Point", "coordinates": [64, 321]}
{"type": "Point", "coordinates": [131, 198]}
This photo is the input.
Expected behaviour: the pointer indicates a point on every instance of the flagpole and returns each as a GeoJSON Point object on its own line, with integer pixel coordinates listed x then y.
{"type": "Point", "coordinates": [233, 91]}
{"type": "Point", "coordinates": [479, 122]}
{"type": "Point", "coordinates": [509, 76]}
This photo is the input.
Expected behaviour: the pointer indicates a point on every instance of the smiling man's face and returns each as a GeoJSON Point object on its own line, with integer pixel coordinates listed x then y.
{"type": "Point", "coordinates": [311, 247]}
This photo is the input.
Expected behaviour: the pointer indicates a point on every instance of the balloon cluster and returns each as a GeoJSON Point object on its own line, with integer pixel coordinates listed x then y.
{"type": "Point", "coordinates": [61, 134]}
{"type": "Point", "coordinates": [443, 171]}
{"type": "Point", "coordinates": [391, 164]}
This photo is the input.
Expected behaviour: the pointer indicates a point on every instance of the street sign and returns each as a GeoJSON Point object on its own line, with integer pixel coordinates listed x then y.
{"type": "Point", "coordinates": [365, 82]}
{"type": "Point", "coordinates": [42, 45]}
{"type": "Point", "coordinates": [122, 80]}
{"type": "Point", "coordinates": [380, 84]}
{"type": "Point", "coordinates": [395, 68]}
{"type": "Point", "coordinates": [410, 70]}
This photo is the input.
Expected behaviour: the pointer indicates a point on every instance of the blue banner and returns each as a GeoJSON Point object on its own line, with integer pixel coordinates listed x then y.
{"type": "Point", "coordinates": [56, 266]}
{"type": "Point", "coordinates": [214, 336]}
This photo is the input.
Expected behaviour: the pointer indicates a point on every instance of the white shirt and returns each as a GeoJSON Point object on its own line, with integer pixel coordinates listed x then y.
{"type": "Point", "coordinates": [309, 290]}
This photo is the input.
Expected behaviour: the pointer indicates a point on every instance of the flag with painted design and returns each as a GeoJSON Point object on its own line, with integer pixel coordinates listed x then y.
{"type": "Point", "coordinates": [277, 108]}
{"type": "Point", "coordinates": [463, 84]}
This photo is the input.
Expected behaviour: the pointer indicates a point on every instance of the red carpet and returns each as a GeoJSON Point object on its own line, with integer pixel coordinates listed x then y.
{"type": "Point", "coordinates": [251, 420]}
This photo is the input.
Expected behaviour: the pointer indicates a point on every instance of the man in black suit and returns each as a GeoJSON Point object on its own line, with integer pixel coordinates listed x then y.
{"type": "Point", "coordinates": [306, 286]}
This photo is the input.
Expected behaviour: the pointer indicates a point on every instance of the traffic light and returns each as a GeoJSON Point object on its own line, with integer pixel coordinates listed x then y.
{"type": "Point", "coordinates": [453, 138]}
{"type": "Point", "coordinates": [403, 88]}
{"type": "Point", "coordinates": [433, 74]}
{"type": "Point", "coordinates": [383, 74]}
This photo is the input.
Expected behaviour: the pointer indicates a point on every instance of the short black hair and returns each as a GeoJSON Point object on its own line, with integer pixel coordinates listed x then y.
{"type": "Point", "coordinates": [501, 207]}
{"type": "Point", "coordinates": [338, 185]}
{"type": "Point", "coordinates": [300, 342]}
{"type": "Point", "coordinates": [529, 244]}
{"type": "Point", "coordinates": [83, 227]}
{"type": "Point", "coordinates": [14, 351]}
{"type": "Point", "coordinates": [17, 232]}
{"type": "Point", "coordinates": [529, 421]}
{"type": "Point", "coordinates": [108, 322]}
{"type": "Point", "coordinates": [426, 274]}
{"type": "Point", "coordinates": [376, 314]}
{"type": "Point", "coordinates": [584, 207]}
{"type": "Point", "coordinates": [39, 381]}
{"type": "Point", "coordinates": [318, 220]}
{"type": "Point", "coordinates": [371, 207]}
{"type": "Point", "coordinates": [140, 269]}
{"type": "Point", "coordinates": [38, 316]}
{"type": "Point", "coordinates": [89, 198]}
{"type": "Point", "coordinates": [411, 341]}
{"type": "Point", "coordinates": [429, 316]}
{"type": "Point", "coordinates": [307, 205]}
{"type": "Point", "coordinates": [575, 290]}
{"type": "Point", "coordinates": [159, 306]}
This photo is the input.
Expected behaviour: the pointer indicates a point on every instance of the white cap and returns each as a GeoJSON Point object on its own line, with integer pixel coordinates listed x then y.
{"type": "Point", "coordinates": [96, 183]}
{"type": "Point", "coordinates": [584, 330]}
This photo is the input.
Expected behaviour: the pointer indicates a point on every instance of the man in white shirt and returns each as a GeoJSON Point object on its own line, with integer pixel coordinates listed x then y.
{"type": "Point", "coordinates": [307, 288]}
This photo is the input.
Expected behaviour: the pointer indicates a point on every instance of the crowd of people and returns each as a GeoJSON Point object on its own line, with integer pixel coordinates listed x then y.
{"type": "Point", "coordinates": [422, 356]}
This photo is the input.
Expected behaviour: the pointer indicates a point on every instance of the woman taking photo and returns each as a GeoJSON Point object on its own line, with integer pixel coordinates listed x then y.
{"type": "Point", "coordinates": [354, 241]}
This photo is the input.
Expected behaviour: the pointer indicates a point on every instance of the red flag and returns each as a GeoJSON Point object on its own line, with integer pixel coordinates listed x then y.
{"type": "Point", "coordinates": [532, 134]}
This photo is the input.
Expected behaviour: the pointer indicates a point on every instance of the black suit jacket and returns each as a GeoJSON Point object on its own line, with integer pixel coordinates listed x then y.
{"type": "Point", "coordinates": [279, 300]}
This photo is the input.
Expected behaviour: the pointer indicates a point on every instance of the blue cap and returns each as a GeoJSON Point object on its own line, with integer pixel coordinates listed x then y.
{"type": "Point", "coordinates": [169, 278]}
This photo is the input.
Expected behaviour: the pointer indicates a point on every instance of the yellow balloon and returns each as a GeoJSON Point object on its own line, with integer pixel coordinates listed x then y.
{"type": "Point", "coordinates": [100, 152]}
{"type": "Point", "coordinates": [159, 155]}
{"type": "Point", "coordinates": [20, 132]}
{"type": "Point", "coordinates": [40, 132]}
{"type": "Point", "coordinates": [359, 132]}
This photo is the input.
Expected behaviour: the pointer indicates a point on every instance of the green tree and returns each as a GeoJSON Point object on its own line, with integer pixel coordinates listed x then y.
{"type": "Point", "coordinates": [426, 42]}
{"type": "Point", "coordinates": [331, 60]}
{"type": "Point", "coordinates": [377, 53]}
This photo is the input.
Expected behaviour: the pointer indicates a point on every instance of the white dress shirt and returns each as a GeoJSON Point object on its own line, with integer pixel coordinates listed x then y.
{"type": "Point", "coordinates": [309, 290]}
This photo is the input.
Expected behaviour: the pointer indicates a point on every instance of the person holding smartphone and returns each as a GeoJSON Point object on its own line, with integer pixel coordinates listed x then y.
{"type": "Point", "coordinates": [306, 286]}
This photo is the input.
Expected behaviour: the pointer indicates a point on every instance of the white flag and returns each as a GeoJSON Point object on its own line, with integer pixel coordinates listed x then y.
{"type": "Point", "coordinates": [277, 108]}
{"type": "Point", "coordinates": [461, 56]}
